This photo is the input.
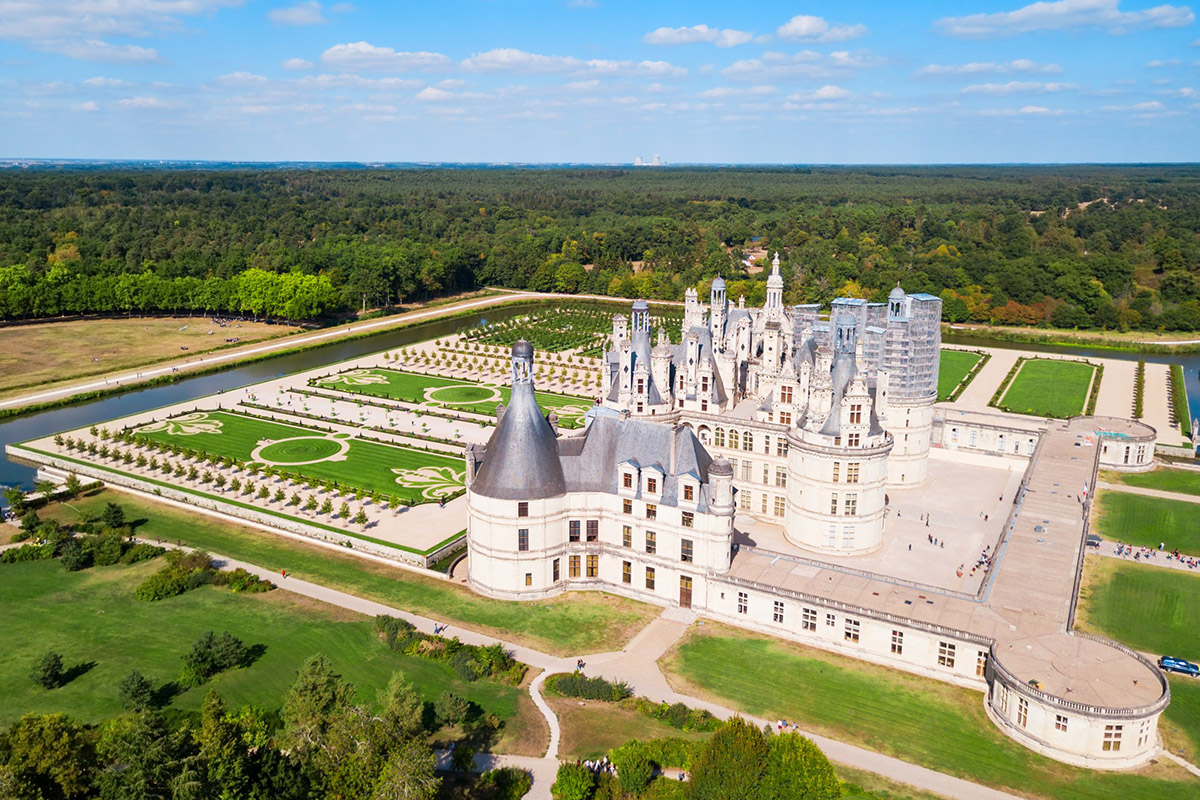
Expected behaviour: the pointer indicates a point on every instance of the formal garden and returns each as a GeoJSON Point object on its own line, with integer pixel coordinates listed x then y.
{"type": "Point", "coordinates": [584, 327]}
{"type": "Point", "coordinates": [956, 370]}
{"type": "Point", "coordinates": [1049, 388]}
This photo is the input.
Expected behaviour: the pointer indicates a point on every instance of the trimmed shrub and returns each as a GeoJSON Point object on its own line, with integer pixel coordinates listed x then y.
{"type": "Point", "coordinates": [141, 552]}
{"type": "Point", "coordinates": [573, 782]}
{"type": "Point", "coordinates": [161, 585]}
{"type": "Point", "coordinates": [506, 783]}
{"type": "Point", "coordinates": [634, 768]}
{"type": "Point", "coordinates": [574, 684]}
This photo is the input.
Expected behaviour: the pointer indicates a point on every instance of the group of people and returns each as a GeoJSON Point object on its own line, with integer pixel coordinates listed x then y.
{"type": "Point", "coordinates": [598, 766]}
{"type": "Point", "coordinates": [1147, 553]}
{"type": "Point", "coordinates": [782, 725]}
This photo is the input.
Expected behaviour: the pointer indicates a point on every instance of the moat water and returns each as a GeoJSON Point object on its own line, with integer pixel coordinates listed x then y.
{"type": "Point", "coordinates": [95, 412]}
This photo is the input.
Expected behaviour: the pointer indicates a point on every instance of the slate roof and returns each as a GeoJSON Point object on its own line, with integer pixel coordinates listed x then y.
{"type": "Point", "coordinates": [521, 461]}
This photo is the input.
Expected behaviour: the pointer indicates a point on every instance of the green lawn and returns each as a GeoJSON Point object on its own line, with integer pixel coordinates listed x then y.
{"type": "Point", "coordinates": [953, 366]}
{"type": "Point", "coordinates": [416, 476]}
{"type": "Point", "coordinates": [92, 618]}
{"type": "Point", "coordinates": [1180, 725]}
{"type": "Point", "coordinates": [449, 394]}
{"type": "Point", "coordinates": [1049, 387]}
{"type": "Point", "coordinates": [583, 622]}
{"type": "Point", "coordinates": [1182, 481]}
{"type": "Point", "coordinates": [916, 719]}
{"type": "Point", "coordinates": [1148, 608]}
{"type": "Point", "coordinates": [1147, 521]}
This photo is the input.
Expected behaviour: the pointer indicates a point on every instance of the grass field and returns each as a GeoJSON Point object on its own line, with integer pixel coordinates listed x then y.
{"type": "Point", "coordinates": [102, 631]}
{"type": "Point", "coordinates": [953, 366]}
{"type": "Point", "coordinates": [583, 622]}
{"type": "Point", "coordinates": [37, 355]}
{"type": "Point", "coordinates": [1148, 521]}
{"type": "Point", "coordinates": [1049, 387]}
{"type": "Point", "coordinates": [1182, 481]}
{"type": "Point", "coordinates": [590, 728]}
{"type": "Point", "coordinates": [416, 476]}
{"type": "Point", "coordinates": [1148, 608]}
{"type": "Point", "coordinates": [450, 394]}
{"type": "Point", "coordinates": [916, 719]}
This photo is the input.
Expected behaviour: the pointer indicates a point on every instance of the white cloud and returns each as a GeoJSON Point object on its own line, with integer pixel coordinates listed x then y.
{"type": "Point", "coordinates": [1018, 87]}
{"type": "Point", "coordinates": [1158, 64]}
{"type": "Point", "coordinates": [363, 55]}
{"type": "Point", "coordinates": [1022, 65]}
{"type": "Point", "coordinates": [805, 28]}
{"type": "Point", "coordinates": [97, 50]}
{"type": "Point", "coordinates": [1065, 15]}
{"type": "Point", "coordinates": [520, 61]}
{"type": "Point", "coordinates": [1184, 91]}
{"type": "Point", "coordinates": [430, 93]}
{"type": "Point", "coordinates": [304, 13]}
{"type": "Point", "coordinates": [805, 64]}
{"type": "Point", "coordinates": [297, 63]}
{"type": "Point", "coordinates": [145, 102]}
{"type": "Point", "coordinates": [730, 91]}
{"type": "Point", "coordinates": [105, 83]}
{"type": "Point", "coordinates": [341, 8]}
{"type": "Point", "coordinates": [242, 79]}
{"type": "Point", "coordinates": [727, 37]}
{"type": "Point", "coordinates": [90, 105]}
{"type": "Point", "coordinates": [824, 93]}
{"type": "Point", "coordinates": [1034, 110]}
{"type": "Point", "coordinates": [451, 83]}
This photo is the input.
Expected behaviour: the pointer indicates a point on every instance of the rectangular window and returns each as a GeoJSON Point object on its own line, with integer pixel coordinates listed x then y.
{"type": "Point", "coordinates": [704, 405]}
{"type": "Point", "coordinates": [685, 550]}
{"type": "Point", "coordinates": [848, 537]}
{"type": "Point", "coordinates": [852, 473]}
{"type": "Point", "coordinates": [780, 446]}
{"type": "Point", "coordinates": [522, 509]}
{"type": "Point", "coordinates": [785, 394]}
{"type": "Point", "coordinates": [557, 572]}
{"type": "Point", "coordinates": [593, 530]}
{"type": "Point", "coordinates": [852, 440]}
{"type": "Point", "coordinates": [1022, 711]}
{"type": "Point", "coordinates": [1112, 737]}
{"type": "Point", "coordinates": [689, 492]}
{"type": "Point", "coordinates": [853, 628]}
{"type": "Point", "coordinates": [785, 418]}
{"type": "Point", "coordinates": [687, 519]}
{"type": "Point", "coordinates": [522, 539]}
{"type": "Point", "coordinates": [766, 474]}
{"type": "Point", "coordinates": [650, 578]}
{"type": "Point", "coordinates": [743, 602]}
{"type": "Point", "coordinates": [652, 485]}
{"type": "Point", "coordinates": [778, 614]}
{"type": "Point", "coordinates": [1060, 723]}
{"type": "Point", "coordinates": [745, 498]}
{"type": "Point", "coordinates": [593, 566]}
{"type": "Point", "coordinates": [626, 572]}
{"type": "Point", "coordinates": [898, 642]}
{"type": "Point", "coordinates": [747, 440]}
{"type": "Point", "coordinates": [946, 654]}
{"type": "Point", "coordinates": [627, 506]}
{"type": "Point", "coordinates": [764, 502]}
{"type": "Point", "coordinates": [856, 414]}
{"type": "Point", "coordinates": [651, 511]}
{"type": "Point", "coordinates": [767, 444]}
{"type": "Point", "coordinates": [808, 619]}
{"type": "Point", "coordinates": [573, 566]}
{"type": "Point", "coordinates": [981, 662]}
{"type": "Point", "coordinates": [747, 467]}
{"type": "Point", "coordinates": [651, 542]}
{"type": "Point", "coordinates": [974, 437]}
{"type": "Point", "coordinates": [831, 540]}
{"type": "Point", "coordinates": [830, 620]}
{"type": "Point", "coordinates": [851, 507]}
{"type": "Point", "coordinates": [833, 502]}
{"type": "Point", "coordinates": [627, 480]}
{"type": "Point", "coordinates": [529, 579]}
{"type": "Point", "coordinates": [780, 505]}
{"type": "Point", "coordinates": [837, 471]}
{"type": "Point", "coordinates": [733, 440]}
{"type": "Point", "coordinates": [626, 536]}
{"type": "Point", "coordinates": [781, 477]}
{"type": "Point", "coordinates": [1003, 697]}
{"type": "Point", "coordinates": [573, 530]}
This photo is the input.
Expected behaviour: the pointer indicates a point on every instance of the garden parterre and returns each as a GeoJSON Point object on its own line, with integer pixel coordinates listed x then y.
{"type": "Point", "coordinates": [1049, 387]}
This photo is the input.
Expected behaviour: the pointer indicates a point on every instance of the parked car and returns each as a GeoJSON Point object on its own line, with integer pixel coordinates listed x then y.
{"type": "Point", "coordinates": [1094, 541]}
{"type": "Point", "coordinates": [1171, 664]}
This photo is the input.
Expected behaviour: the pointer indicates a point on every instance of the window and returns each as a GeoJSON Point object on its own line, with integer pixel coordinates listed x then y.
{"type": "Point", "coordinates": [687, 519]}
{"type": "Point", "coordinates": [651, 542]}
{"type": "Point", "coordinates": [981, 662]}
{"type": "Point", "coordinates": [853, 628]}
{"type": "Point", "coordinates": [626, 536]}
{"type": "Point", "coordinates": [764, 502]}
{"type": "Point", "coordinates": [733, 440]}
{"type": "Point", "coordinates": [780, 446]}
{"type": "Point", "coordinates": [856, 413]}
{"type": "Point", "coordinates": [831, 541]}
{"type": "Point", "coordinates": [685, 550]}
{"type": "Point", "coordinates": [974, 437]}
{"type": "Point", "coordinates": [830, 620]}
{"type": "Point", "coordinates": [747, 440]}
{"type": "Point", "coordinates": [898, 642]}
{"type": "Point", "coordinates": [704, 384]}
{"type": "Point", "coordinates": [766, 474]}
{"type": "Point", "coordinates": [785, 394]}
{"type": "Point", "coordinates": [777, 616]}
{"type": "Point", "coordinates": [837, 471]}
{"type": "Point", "coordinates": [523, 539]}
{"type": "Point", "coordinates": [641, 385]}
{"type": "Point", "coordinates": [522, 509]}
{"type": "Point", "coordinates": [627, 506]}
{"type": "Point", "coordinates": [557, 575]}
{"type": "Point", "coordinates": [743, 602]}
{"type": "Point", "coordinates": [593, 566]}
{"type": "Point", "coordinates": [651, 511]}
{"type": "Point", "coordinates": [652, 485]}
{"type": "Point", "coordinates": [808, 619]}
{"type": "Point", "coordinates": [573, 566]}
{"type": "Point", "coordinates": [529, 579]}
{"type": "Point", "coordinates": [573, 530]}
{"type": "Point", "coordinates": [852, 473]}
{"type": "Point", "coordinates": [745, 497]}
{"type": "Point", "coordinates": [785, 418]}
{"type": "Point", "coordinates": [593, 530]}
{"type": "Point", "coordinates": [848, 537]}
{"type": "Point", "coordinates": [719, 437]}
{"type": "Point", "coordinates": [1060, 723]}
{"type": "Point", "coordinates": [1003, 697]}
{"type": "Point", "coordinates": [689, 492]}
{"type": "Point", "coordinates": [780, 504]}
{"type": "Point", "coordinates": [781, 477]}
{"type": "Point", "coordinates": [767, 444]}
{"type": "Point", "coordinates": [747, 466]}
{"type": "Point", "coordinates": [650, 578]}
{"type": "Point", "coordinates": [1143, 733]}
{"type": "Point", "coordinates": [1023, 711]}
{"type": "Point", "coordinates": [946, 654]}
{"type": "Point", "coordinates": [626, 572]}
{"type": "Point", "coordinates": [627, 480]}
{"type": "Point", "coordinates": [851, 507]}
{"type": "Point", "coordinates": [1112, 737]}
{"type": "Point", "coordinates": [852, 440]}
{"type": "Point", "coordinates": [833, 502]}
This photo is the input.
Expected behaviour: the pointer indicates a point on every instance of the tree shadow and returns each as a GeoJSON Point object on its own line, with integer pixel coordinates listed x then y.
{"type": "Point", "coordinates": [136, 523]}
{"type": "Point", "coordinates": [77, 671]}
{"type": "Point", "coordinates": [163, 695]}
{"type": "Point", "coordinates": [253, 653]}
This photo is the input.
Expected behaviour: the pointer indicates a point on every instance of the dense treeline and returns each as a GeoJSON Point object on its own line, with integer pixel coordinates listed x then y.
{"type": "Point", "coordinates": [1110, 247]}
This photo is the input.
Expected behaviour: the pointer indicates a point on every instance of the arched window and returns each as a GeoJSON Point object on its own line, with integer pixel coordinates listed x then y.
{"type": "Point", "coordinates": [747, 440]}
{"type": "Point", "coordinates": [719, 437]}
{"type": "Point", "coordinates": [733, 439]}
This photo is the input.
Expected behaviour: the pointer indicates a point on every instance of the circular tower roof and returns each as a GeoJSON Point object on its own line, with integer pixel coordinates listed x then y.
{"type": "Point", "coordinates": [721, 467]}
{"type": "Point", "coordinates": [896, 294]}
{"type": "Point", "coordinates": [522, 349]}
{"type": "Point", "coordinates": [640, 305]}
{"type": "Point", "coordinates": [718, 283]}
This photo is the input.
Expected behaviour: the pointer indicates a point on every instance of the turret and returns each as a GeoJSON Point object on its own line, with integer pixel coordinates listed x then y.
{"type": "Point", "coordinates": [774, 306]}
{"type": "Point", "coordinates": [717, 311]}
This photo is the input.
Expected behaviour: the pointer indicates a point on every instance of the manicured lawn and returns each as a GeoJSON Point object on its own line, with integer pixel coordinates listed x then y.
{"type": "Point", "coordinates": [590, 728]}
{"type": "Point", "coordinates": [1182, 481]}
{"type": "Point", "coordinates": [1180, 725]}
{"type": "Point", "coordinates": [583, 622]}
{"type": "Point", "coordinates": [1148, 521]}
{"type": "Point", "coordinates": [952, 368]}
{"type": "Point", "coordinates": [1049, 387]}
{"type": "Point", "coordinates": [416, 476]}
{"type": "Point", "coordinates": [917, 719]}
{"type": "Point", "coordinates": [1148, 608]}
{"type": "Point", "coordinates": [92, 618]}
{"type": "Point", "coordinates": [449, 394]}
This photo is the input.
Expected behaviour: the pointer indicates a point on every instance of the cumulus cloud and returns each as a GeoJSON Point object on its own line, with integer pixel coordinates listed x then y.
{"type": "Point", "coordinates": [305, 13]}
{"type": "Point", "coordinates": [363, 55]}
{"type": "Point", "coordinates": [1159, 63]}
{"type": "Point", "coordinates": [520, 61]}
{"type": "Point", "coordinates": [805, 28]}
{"type": "Point", "coordinates": [740, 91]}
{"type": "Point", "coordinates": [826, 92]}
{"type": "Point", "coordinates": [1065, 15]}
{"type": "Point", "coordinates": [242, 79]}
{"type": "Point", "coordinates": [90, 105]}
{"type": "Point", "coordinates": [1020, 65]}
{"type": "Point", "coordinates": [430, 93]}
{"type": "Point", "coordinates": [97, 50]}
{"type": "Point", "coordinates": [145, 102]}
{"type": "Point", "coordinates": [805, 64]}
{"type": "Point", "coordinates": [105, 83]}
{"type": "Point", "coordinates": [727, 37]}
{"type": "Point", "coordinates": [1018, 87]}
{"type": "Point", "coordinates": [297, 63]}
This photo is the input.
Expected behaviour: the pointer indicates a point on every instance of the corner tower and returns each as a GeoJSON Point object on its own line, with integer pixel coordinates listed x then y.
{"type": "Point", "coordinates": [907, 384]}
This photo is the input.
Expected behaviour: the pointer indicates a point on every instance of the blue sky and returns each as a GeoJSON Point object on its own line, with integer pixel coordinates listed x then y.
{"type": "Point", "coordinates": [600, 80]}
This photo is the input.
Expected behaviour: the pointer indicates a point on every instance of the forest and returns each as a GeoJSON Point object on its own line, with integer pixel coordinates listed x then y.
{"type": "Point", "coordinates": [1109, 247]}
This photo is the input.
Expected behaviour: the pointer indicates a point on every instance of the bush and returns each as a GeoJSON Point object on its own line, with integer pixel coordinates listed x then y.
{"type": "Point", "coordinates": [573, 782]}
{"type": "Point", "coordinates": [506, 783]}
{"type": "Point", "coordinates": [463, 667]}
{"type": "Point", "coordinates": [574, 684]}
{"type": "Point", "coordinates": [106, 550]}
{"type": "Point", "coordinates": [210, 655]}
{"type": "Point", "coordinates": [451, 709]}
{"type": "Point", "coordinates": [75, 556]}
{"type": "Point", "coordinates": [239, 580]}
{"type": "Point", "coordinates": [26, 553]}
{"type": "Point", "coordinates": [634, 769]}
{"type": "Point", "coordinates": [135, 692]}
{"type": "Point", "coordinates": [462, 758]}
{"type": "Point", "coordinates": [671, 752]}
{"type": "Point", "coordinates": [161, 585]}
{"type": "Point", "coordinates": [48, 673]}
{"type": "Point", "coordinates": [141, 552]}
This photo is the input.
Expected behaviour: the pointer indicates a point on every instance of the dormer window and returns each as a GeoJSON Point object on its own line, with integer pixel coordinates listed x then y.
{"type": "Point", "coordinates": [852, 440]}
{"type": "Point", "coordinates": [856, 415]}
{"type": "Point", "coordinates": [785, 394]}
{"type": "Point", "coordinates": [627, 480]}
{"type": "Point", "coordinates": [652, 485]}
{"type": "Point", "coordinates": [689, 492]}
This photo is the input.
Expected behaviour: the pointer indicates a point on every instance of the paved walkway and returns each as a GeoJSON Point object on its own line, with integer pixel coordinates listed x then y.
{"type": "Point", "coordinates": [1159, 493]}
